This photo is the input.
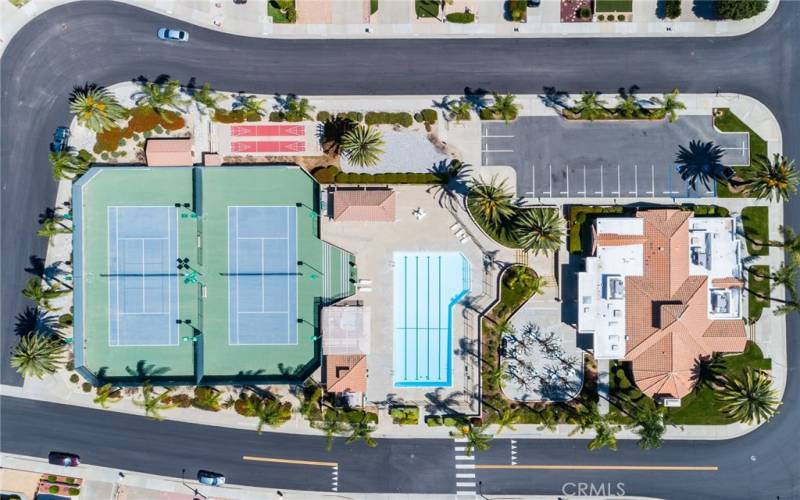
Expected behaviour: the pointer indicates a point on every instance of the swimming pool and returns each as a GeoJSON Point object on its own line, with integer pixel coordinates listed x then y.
{"type": "Point", "coordinates": [426, 287]}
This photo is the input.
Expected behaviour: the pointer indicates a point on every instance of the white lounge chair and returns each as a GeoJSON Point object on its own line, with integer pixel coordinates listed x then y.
{"type": "Point", "coordinates": [455, 227]}
{"type": "Point", "coordinates": [465, 240]}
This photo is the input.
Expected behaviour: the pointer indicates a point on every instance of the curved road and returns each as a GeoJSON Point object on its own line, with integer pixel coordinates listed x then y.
{"type": "Point", "coordinates": [110, 42]}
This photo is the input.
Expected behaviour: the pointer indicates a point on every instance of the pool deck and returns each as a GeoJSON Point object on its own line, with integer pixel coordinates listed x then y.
{"type": "Point", "coordinates": [374, 244]}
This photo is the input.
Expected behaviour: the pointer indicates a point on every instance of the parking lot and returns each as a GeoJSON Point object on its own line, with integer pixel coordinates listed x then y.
{"type": "Point", "coordinates": [557, 158]}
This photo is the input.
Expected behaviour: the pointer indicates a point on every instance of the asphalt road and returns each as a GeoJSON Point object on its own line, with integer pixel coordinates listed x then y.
{"type": "Point", "coordinates": [107, 43]}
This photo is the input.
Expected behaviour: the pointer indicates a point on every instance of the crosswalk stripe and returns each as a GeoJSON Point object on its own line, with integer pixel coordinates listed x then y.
{"type": "Point", "coordinates": [465, 493]}
{"type": "Point", "coordinates": [465, 475]}
{"type": "Point", "coordinates": [460, 440]}
{"type": "Point", "coordinates": [465, 466]}
{"type": "Point", "coordinates": [465, 484]}
{"type": "Point", "coordinates": [461, 448]}
{"type": "Point", "coordinates": [465, 457]}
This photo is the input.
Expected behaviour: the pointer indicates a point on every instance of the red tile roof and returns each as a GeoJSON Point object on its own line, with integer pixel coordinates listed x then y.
{"type": "Point", "coordinates": [374, 205]}
{"type": "Point", "coordinates": [346, 373]}
{"type": "Point", "coordinates": [666, 318]}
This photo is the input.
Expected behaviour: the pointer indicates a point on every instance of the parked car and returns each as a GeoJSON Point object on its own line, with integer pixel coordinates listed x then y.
{"type": "Point", "coordinates": [60, 139]}
{"type": "Point", "coordinates": [65, 459]}
{"type": "Point", "coordinates": [171, 34]}
{"type": "Point", "coordinates": [210, 478]}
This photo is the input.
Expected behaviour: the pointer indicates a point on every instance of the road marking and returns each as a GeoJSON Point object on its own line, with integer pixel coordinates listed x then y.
{"type": "Point", "coordinates": [513, 452]}
{"type": "Point", "coordinates": [465, 457]}
{"type": "Point", "coordinates": [601, 181]}
{"type": "Point", "coordinates": [667, 468]}
{"type": "Point", "coordinates": [499, 136]}
{"type": "Point", "coordinates": [533, 178]}
{"type": "Point", "coordinates": [290, 461]}
{"type": "Point", "coordinates": [653, 180]}
{"type": "Point", "coordinates": [584, 181]}
{"type": "Point", "coordinates": [550, 191]}
{"type": "Point", "coordinates": [498, 151]}
{"type": "Point", "coordinates": [465, 466]}
{"type": "Point", "coordinates": [464, 487]}
{"type": "Point", "coordinates": [465, 484]}
{"type": "Point", "coordinates": [461, 448]}
{"type": "Point", "coordinates": [619, 185]}
{"type": "Point", "coordinates": [465, 475]}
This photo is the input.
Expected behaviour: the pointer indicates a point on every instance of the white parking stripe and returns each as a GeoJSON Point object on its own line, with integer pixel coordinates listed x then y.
{"type": "Point", "coordinates": [498, 151]}
{"type": "Point", "coordinates": [465, 475]}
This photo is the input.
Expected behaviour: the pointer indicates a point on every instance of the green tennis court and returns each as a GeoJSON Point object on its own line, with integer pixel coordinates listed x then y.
{"type": "Point", "coordinates": [220, 274]}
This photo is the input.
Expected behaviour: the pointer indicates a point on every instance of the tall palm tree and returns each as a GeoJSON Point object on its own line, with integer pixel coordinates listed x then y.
{"type": "Point", "coordinates": [37, 355]}
{"type": "Point", "coordinates": [107, 394]}
{"type": "Point", "coordinates": [153, 403]}
{"type": "Point", "coordinates": [96, 108]}
{"type": "Point", "coordinates": [790, 242]}
{"type": "Point", "coordinates": [476, 438]}
{"type": "Point", "coordinates": [273, 413]}
{"type": "Point", "coordinates": [701, 161]}
{"type": "Point", "coordinates": [504, 106]}
{"type": "Point", "coordinates": [297, 109]}
{"type": "Point", "coordinates": [670, 104]}
{"type": "Point", "coordinates": [36, 292]}
{"type": "Point", "coordinates": [750, 397]}
{"type": "Point", "coordinates": [588, 417]}
{"type": "Point", "coordinates": [362, 146]}
{"type": "Point", "coordinates": [67, 165]}
{"type": "Point", "coordinates": [650, 426]}
{"type": "Point", "coordinates": [628, 105]}
{"type": "Point", "coordinates": [786, 276]}
{"type": "Point", "coordinates": [767, 179]}
{"type": "Point", "coordinates": [361, 429]}
{"type": "Point", "coordinates": [540, 230]}
{"type": "Point", "coordinates": [206, 99]}
{"type": "Point", "coordinates": [459, 110]}
{"type": "Point", "coordinates": [161, 97]}
{"type": "Point", "coordinates": [506, 419]}
{"type": "Point", "coordinates": [589, 106]}
{"type": "Point", "coordinates": [250, 104]}
{"type": "Point", "coordinates": [492, 203]}
{"type": "Point", "coordinates": [310, 402]}
{"type": "Point", "coordinates": [51, 226]}
{"type": "Point", "coordinates": [332, 426]}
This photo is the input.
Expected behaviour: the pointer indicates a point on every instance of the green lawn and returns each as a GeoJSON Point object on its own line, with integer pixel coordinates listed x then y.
{"type": "Point", "coordinates": [729, 122]}
{"type": "Point", "coordinates": [278, 17]}
{"type": "Point", "coordinates": [613, 6]}
{"type": "Point", "coordinates": [505, 235]}
{"type": "Point", "coordinates": [698, 408]}
{"type": "Point", "coordinates": [756, 229]}
{"type": "Point", "coordinates": [759, 285]}
{"type": "Point", "coordinates": [581, 219]}
{"type": "Point", "coordinates": [427, 8]}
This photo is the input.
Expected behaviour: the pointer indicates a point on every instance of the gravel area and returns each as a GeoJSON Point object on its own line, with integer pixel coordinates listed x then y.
{"type": "Point", "coordinates": [403, 152]}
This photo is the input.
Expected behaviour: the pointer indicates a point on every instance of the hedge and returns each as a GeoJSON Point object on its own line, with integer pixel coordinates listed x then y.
{"type": "Point", "coordinates": [386, 118]}
{"type": "Point", "coordinates": [353, 116]}
{"type": "Point", "coordinates": [433, 421]}
{"type": "Point", "coordinates": [707, 210]}
{"type": "Point", "coordinates": [429, 115]}
{"type": "Point", "coordinates": [276, 116]}
{"type": "Point", "coordinates": [405, 415]}
{"type": "Point", "coordinates": [234, 116]}
{"type": "Point", "coordinates": [323, 116]}
{"type": "Point", "coordinates": [581, 215]}
{"type": "Point", "coordinates": [332, 175]}
{"type": "Point", "coordinates": [461, 17]}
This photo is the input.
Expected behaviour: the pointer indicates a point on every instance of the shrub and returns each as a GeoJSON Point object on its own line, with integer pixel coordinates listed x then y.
{"type": "Point", "coordinates": [70, 365]}
{"type": "Point", "coordinates": [108, 140]}
{"type": "Point", "coordinates": [353, 116]}
{"type": "Point", "coordinates": [86, 387]}
{"type": "Point", "coordinates": [73, 492]}
{"type": "Point", "coordinates": [225, 116]}
{"type": "Point", "coordinates": [461, 17]}
{"type": "Point", "coordinates": [433, 421]}
{"type": "Point", "coordinates": [737, 10]}
{"type": "Point", "coordinates": [53, 489]}
{"type": "Point", "coordinates": [408, 415]}
{"type": "Point", "coordinates": [418, 117]}
{"type": "Point", "coordinates": [452, 421]}
{"type": "Point", "coordinates": [672, 9]}
{"type": "Point", "coordinates": [276, 116]}
{"type": "Point", "coordinates": [52, 478]}
{"type": "Point", "coordinates": [620, 17]}
{"type": "Point", "coordinates": [74, 378]}
{"type": "Point", "coordinates": [69, 480]}
{"type": "Point", "coordinates": [182, 400]}
{"type": "Point", "coordinates": [517, 10]}
{"type": "Point", "coordinates": [323, 116]}
{"type": "Point", "coordinates": [429, 115]}
{"type": "Point", "coordinates": [584, 12]}
{"type": "Point", "coordinates": [385, 118]}
{"type": "Point", "coordinates": [325, 175]}
{"type": "Point", "coordinates": [624, 384]}
{"type": "Point", "coordinates": [65, 320]}
{"type": "Point", "coordinates": [486, 114]}
{"type": "Point", "coordinates": [601, 17]}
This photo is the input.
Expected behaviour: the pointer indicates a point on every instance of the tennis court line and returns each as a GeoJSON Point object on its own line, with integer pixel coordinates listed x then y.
{"type": "Point", "coordinates": [315, 463]}
{"type": "Point", "coordinates": [663, 468]}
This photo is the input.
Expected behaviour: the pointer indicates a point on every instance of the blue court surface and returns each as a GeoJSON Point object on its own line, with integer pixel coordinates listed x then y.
{"type": "Point", "coordinates": [262, 267]}
{"type": "Point", "coordinates": [143, 280]}
{"type": "Point", "coordinates": [427, 285]}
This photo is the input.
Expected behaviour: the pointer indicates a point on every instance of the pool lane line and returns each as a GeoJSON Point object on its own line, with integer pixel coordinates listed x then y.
{"type": "Point", "coordinates": [289, 461]}
{"type": "Point", "coordinates": [663, 468]}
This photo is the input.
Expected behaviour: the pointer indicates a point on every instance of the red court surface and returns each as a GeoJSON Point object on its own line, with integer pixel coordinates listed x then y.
{"type": "Point", "coordinates": [268, 147]}
{"type": "Point", "coordinates": [268, 130]}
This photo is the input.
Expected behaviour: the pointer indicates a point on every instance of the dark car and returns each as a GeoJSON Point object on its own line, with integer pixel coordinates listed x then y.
{"type": "Point", "coordinates": [60, 138]}
{"type": "Point", "coordinates": [65, 459]}
{"type": "Point", "coordinates": [210, 478]}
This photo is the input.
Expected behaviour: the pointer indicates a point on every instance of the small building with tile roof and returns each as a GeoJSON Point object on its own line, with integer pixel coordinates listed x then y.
{"type": "Point", "coordinates": [169, 152]}
{"type": "Point", "coordinates": [364, 205]}
{"type": "Point", "coordinates": [661, 290]}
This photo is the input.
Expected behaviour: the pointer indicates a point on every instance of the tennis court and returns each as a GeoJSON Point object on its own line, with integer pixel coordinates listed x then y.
{"type": "Point", "coordinates": [143, 281]}
{"type": "Point", "coordinates": [262, 262]}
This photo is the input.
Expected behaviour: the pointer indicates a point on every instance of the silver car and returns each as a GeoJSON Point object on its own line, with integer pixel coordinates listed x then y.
{"type": "Point", "coordinates": [174, 35]}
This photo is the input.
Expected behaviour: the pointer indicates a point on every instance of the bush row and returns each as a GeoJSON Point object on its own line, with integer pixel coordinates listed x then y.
{"type": "Point", "coordinates": [386, 118]}
{"type": "Point", "coordinates": [405, 415]}
{"type": "Point", "coordinates": [613, 114]}
{"type": "Point", "coordinates": [580, 215]}
{"type": "Point", "coordinates": [332, 175]}
{"type": "Point", "coordinates": [234, 116]}
{"type": "Point", "coordinates": [461, 17]}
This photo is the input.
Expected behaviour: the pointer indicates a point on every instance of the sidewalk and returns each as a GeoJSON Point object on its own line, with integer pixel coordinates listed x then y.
{"type": "Point", "coordinates": [397, 19]}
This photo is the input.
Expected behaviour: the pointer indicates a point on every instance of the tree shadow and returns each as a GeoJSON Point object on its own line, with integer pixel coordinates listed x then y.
{"type": "Point", "coordinates": [705, 9]}
{"type": "Point", "coordinates": [708, 371]}
{"type": "Point", "coordinates": [145, 371]}
{"type": "Point", "coordinates": [332, 131]}
{"type": "Point", "coordinates": [35, 321]}
{"type": "Point", "coordinates": [441, 404]}
{"type": "Point", "coordinates": [476, 97]}
{"type": "Point", "coordinates": [701, 161]}
{"type": "Point", "coordinates": [553, 98]}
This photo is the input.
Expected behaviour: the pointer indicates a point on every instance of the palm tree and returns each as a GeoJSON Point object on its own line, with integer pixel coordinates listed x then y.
{"type": "Point", "coordinates": [589, 106]}
{"type": "Point", "coordinates": [790, 243]}
{"type": "Point", "coordinates": [107, 394]}
{"type": "Point", "coordinates": [362, 146]}
{"type": "Point", "coordinates": [52, 225]}
{"type": "Point", "coordinates": [297, 110]}
{"type": "Point", "coordinates": [206, 99]}
{"type": "Point", "coordinates": [331, 425]}
{"type": "Point", "coordinates": [153, 403]}
{"type": "Point", "coordinates": [548, 418]}
{"type": "Point", "coordinates": [707, 371]}
{"type": "Point", "coordinates": [588, 417]}
{"type": "Point", "coordinates": [272, 413]}
{"type": "Point", "coordinates": [504, 106]}
{"type": "Point", "coordinates": [491, 203]}
{"type": "Point", "coordinates": [249, 104]}
{"type": "Point", "coordinates": [670, 104]}
{"type": "Point", "coordinates": [786, 276]}
{"type": "Point", "coordinates": [650, 426]}
{"type": "Point", "coordinates": [700, 161]}
{"type": "Point", "coordinates": [459, 110]}
{"type": "Point", "coordinates": [96, 108]}
{"type": "Point", "coordinates": [451, 179]}
{"type": "Point", "coordinates": [36, 292]}
{"type": "Point", "coordinates": [540, 230]}
{"type": "Point", "coordinates": [161, 97]}
{"type": "Point", "coordinates": [506, 420]}
{"type": "Point", "coordinates": [310, 403]}
{"type": "Point", "coordinates": [476, 438]}
{"type": "Point", "coordinates": [37, 355]}
{"type": "Point", "coordinates": [497, 376]}
{"type": "Point", "coordinates": [765, 179]}
{"type": "Point", "coordinates": [628, 106]}
{"type": "Point", "coordinates": [749, 398]}
{"type": "Point", "coordinates": [361, 429]}
{"type": "Point", "coordinates": [207, 398]}
{"type": "Point", "coordinates": [67, 165]}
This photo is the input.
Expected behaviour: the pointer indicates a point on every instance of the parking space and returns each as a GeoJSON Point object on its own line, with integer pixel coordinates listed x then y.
{"type": "Point", "coordinates": [557, 158]}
